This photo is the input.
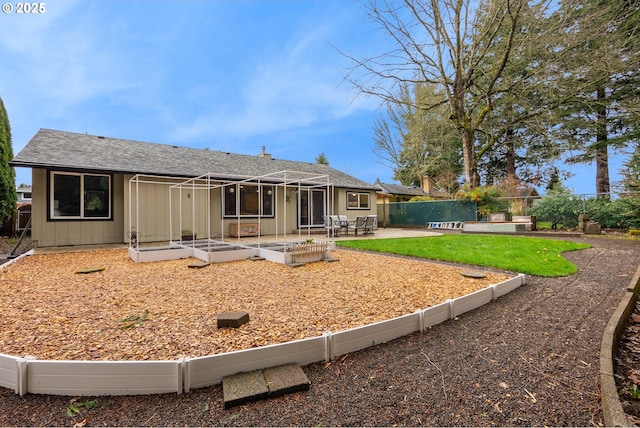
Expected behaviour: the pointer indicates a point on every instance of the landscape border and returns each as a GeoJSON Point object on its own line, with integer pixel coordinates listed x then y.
{"type": "Point", "coordinates": [613, 413]}
{"type": "Point", "coordinates": [98, 378]}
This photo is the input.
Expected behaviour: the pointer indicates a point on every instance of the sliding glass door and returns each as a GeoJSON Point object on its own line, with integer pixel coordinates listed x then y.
{"type": "Point", "coordinates": [311, 208]}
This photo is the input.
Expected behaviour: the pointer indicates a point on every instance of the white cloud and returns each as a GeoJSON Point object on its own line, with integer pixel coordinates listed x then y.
{"type": "Point", "coordinates": [63, 58]}
{"type": "Point", "coordinates": [289, 86]}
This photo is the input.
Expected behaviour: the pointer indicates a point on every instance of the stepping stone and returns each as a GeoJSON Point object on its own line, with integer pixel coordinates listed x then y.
{"type": "Point", "coordinates": [286, 379]}
{"type": "Point", "coordinates": [199, 265]}
{"type": "Point", "coordinates": [232, 319]}
{"type": "Point", "coordinates": [244, 387]}
{"type": "Point", "coordinates": [90, 270]}
{"type": "Point", "coordinates": [472, 274]}
{"type": "Point", "coordinates": [295, 265]}
{"type": "Point", "coordinates": [260, 384]}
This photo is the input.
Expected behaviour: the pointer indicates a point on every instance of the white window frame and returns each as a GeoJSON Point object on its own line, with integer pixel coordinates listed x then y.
{"type": "Point", "coordinates": [358, 205]}
{"type": "Point", "coordinates": [52, 202]}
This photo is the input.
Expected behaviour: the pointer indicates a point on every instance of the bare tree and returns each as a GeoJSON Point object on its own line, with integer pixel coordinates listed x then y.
{"type": "Point", "coordinates": [479, 54]}
{"type": "Point", "coordinates": [416, 142]}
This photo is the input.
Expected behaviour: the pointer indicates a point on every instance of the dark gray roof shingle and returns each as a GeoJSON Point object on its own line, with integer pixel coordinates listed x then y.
{"type": "Point", "coordinates": [74, 151]}
{"type": "Point", "coordinates": [399, 189]}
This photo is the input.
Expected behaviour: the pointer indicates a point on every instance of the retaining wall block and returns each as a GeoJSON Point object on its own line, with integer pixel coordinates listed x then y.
{"type": "Point", "coordinates": [361, 337]}
{"type": "Point", "coordinates": [206, 371]}
{"type": "Point", "coordinates": [104, 377]}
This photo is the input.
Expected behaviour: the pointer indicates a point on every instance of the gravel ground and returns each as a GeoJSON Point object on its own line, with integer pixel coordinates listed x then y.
{"type": "Point", "coordinates": [529, 358]}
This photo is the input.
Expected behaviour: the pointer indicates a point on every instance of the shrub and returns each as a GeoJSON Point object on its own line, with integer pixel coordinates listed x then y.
{"type": "Point", "coordinates": [487, 198]}
{"type": "Point", "coordinates": [559, 207]}
{"type": "Point", "coordinates": [621, 213]}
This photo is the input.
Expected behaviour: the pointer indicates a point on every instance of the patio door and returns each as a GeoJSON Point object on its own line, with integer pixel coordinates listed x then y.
{"type": "Point", "coordinates": [311, 208]}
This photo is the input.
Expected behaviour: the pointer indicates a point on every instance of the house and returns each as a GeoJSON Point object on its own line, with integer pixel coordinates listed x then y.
{"type": "Point", "coordinates": [23, 211]}
{"type": "Point", "coordinates": [390, 193]}
{"type": "Point", "coordinates": [399, 193]}
{"type": "Point", "coordinates": [89, 189]}
{"type": "Point", "coordinates": [19, 220]}
{"type": "Point", "coordinates": [24, 193]}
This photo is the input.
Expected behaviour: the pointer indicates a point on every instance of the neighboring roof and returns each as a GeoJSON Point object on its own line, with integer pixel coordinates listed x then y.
{"type": "Point", "coordinates": [399, 189]}
{"type": "Point", "coordinates": [74, 151]}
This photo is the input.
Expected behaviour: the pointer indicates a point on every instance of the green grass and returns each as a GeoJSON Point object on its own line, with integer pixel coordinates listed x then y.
{"type": "Point", "coordinates": [532, 256]}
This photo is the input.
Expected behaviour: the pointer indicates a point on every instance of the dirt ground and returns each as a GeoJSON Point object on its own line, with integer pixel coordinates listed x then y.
{"type": "Point", "coordinates": [528, 358]}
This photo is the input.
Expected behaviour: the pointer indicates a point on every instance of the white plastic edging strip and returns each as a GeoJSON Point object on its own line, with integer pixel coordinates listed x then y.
{"type": "Point", "coordinates": [471, 301]}
{"type": "Point", "coordinates": [362, 337]}
{"type": "Point", "coordinates": [104, 377]}
{"type": "Point", "coordinates": [23, 378]}
{"type": "Point", "coordinates": [210, 370]}
{"type": "Point", "coordinates": [508, 286]}
{"type": "Point", "coordinates": [436, 314]}
{"type": "Point", "coordinates": [328, 346]}
{"type": "Point", "coordinates": [9, 372]}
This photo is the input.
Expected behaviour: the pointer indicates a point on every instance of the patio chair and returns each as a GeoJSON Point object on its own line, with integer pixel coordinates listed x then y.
{"type": "Point", "coordinates": [357, 225]}
{"type": "Point", "coordinates": [344, 223]}
{"type": "Point", "coordinates": [368, 224]}
{"type": "Point", "coordinates": [332, 224]}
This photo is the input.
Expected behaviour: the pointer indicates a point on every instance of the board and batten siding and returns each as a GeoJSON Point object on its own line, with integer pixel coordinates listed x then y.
{"type": "Point", "coordinates": [47, 233]}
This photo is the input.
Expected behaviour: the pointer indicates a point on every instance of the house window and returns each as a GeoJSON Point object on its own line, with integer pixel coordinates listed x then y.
{"type": "Point", "coordinates": [80, 196]}
{"type": "Point", "coordinates": [248, 200]}
{"type": "Point", "coordinates": [358, 201]}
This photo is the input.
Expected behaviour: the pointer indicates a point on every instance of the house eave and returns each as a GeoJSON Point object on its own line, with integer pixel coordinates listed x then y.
{"type": "Point", "coordinates": [74, 168]}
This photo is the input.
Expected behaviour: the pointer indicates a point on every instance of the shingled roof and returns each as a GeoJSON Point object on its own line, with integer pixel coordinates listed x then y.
{"type": "Point", "coordinates": [82, 152]}
{"type": "Point", "coordinates": [399, 189]}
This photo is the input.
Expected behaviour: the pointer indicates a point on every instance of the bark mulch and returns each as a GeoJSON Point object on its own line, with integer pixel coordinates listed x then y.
{"type": "Point", "coordinates": [529, 358]}
{"type": "Point", "coordinates": [100, 305]}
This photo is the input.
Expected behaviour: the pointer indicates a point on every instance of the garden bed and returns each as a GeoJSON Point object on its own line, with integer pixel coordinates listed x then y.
{"type": "Point", "coordinates": [163, 310]}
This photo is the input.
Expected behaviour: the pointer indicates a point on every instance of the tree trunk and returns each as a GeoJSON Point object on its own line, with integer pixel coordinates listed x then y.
{"type": "Point", "coordinates": [510, 157]}
{"type": "Point", "coordinates": [469, 156]}
{"type": "Point", "coordinates": [603, 187]}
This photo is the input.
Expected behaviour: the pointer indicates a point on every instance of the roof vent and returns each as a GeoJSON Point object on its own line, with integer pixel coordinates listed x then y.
{"type": "Point", "coordinates": [264, 154]}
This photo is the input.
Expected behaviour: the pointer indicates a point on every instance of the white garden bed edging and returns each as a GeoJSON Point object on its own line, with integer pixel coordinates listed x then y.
{"type": "Point", "coordinates": [220, 252]}
{"type": "Point", "coordinates": [30, 375]}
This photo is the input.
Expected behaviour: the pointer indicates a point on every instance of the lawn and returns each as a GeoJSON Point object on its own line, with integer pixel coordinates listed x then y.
{"type": "Point", "coordinates": [532, 256]}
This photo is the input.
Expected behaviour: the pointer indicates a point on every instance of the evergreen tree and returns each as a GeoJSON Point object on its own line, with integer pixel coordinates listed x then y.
{"type": "Point", "coordinates": [631, 174]}
{"type": "Point", "coordinates": [321, 159]}
{"type": "Point", "coordinates": [600, 116]}
{"type": "Point", "coordinates": [8, 195]}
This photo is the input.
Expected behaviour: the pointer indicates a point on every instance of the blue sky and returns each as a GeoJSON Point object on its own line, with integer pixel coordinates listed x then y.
{"type": "Point", "coordinates": [230, 75]}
